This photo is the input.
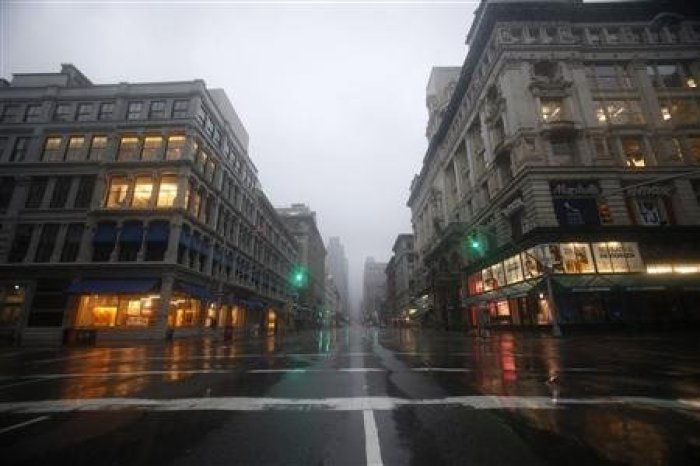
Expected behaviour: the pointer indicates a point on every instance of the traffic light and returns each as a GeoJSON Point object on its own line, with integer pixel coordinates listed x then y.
{"type": "Point", "coordinates": [604, 213]}
{"type": "Point", "coordinates": [474, 243]}
{"type": "Point", "coordinates": [299, 277]}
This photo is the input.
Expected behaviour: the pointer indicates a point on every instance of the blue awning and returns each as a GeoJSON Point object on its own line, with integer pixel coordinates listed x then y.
{"type": "Point", "coordinates": [132, 232]}
{"type": "Point", "coordinates": [105, 233]}
{"type": "Point", "coordinates": [158, 232]}
{"type": "Point", "coordinates": [193, 290]}
{"type": "Point", "coordinates": [113, 286]}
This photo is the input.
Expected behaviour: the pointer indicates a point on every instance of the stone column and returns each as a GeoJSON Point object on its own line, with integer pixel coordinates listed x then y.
{"type": "Point", "coordinates": [85, 251]}
{"type": "Point", "coordinates": [161, 318]}
{"type": "Point", "coordinates": [58, 246]}
{"type": "Point", "coordinates": [173, 241]}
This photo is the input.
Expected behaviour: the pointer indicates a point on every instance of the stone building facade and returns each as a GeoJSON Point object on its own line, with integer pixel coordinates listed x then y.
{"type": "Point", "coordinates": [337, 267]}
{"type": "Point", "coordinates": [132, 210]}
{"type": "Point", "coordinates": [399, 278]}
{"type": "Point", "coordinates": [570, 148]}
{"type": "Point", "coordinates": [374, 288]}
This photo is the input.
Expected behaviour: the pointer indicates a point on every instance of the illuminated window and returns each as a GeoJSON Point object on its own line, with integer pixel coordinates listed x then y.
{"type": "Point", "coordinates": [619, 112]}
{"type": "Point", "coordinates": [128, 149]}
{"type": "Point", "coordinates": [64, 112]}
{"type": "Point", "coordinates": [157, 109]}
{"type": "Point", "coordinates": [98, 148]}
{"type": "Point", "coordinates": [184, 312]}
{"type": "Point", "coordinates": [167, 191]}
{"type": "Point", "coordinates": [134, 110]}
{"type": "Point", "coordinates": [75, 148]}
{"type": "Point", "coordinates": [672, 75]}
{"type": "Point", "coordinates": [633, 149]}
{"type": "Point", "coordinates": [84, 112]}
{"type": "Point", "coordinates": [176, 146]}
{"type": "Point", "coordinates": [681, 111]}
{"type": "Point", "coordinates": [551, 110]}
{"type": "Point", "coordinates": [106, 111]}
{"type": "Point", "coordinates": [117, 193]}
{"type": "Point", "coordinates": [143, 191]}
{"type": "Point", "coordinates": [107, 310]}
{"type": "Point", "coordinates": [51, 150]}
{"type": "Point", "coordinates": [201, 161]}
{"type": "Point", "coordinates": [33, 113]}
{"type": "Point", "coordinates": [180, 108]}
{"type": "Point", "coordinates": [152, 146]}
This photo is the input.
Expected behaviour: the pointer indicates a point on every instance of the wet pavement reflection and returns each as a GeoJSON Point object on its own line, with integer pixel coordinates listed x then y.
{"type": "Point", "coordinates": [432, 398]}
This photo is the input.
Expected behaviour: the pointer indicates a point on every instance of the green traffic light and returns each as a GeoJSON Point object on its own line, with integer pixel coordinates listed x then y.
{"type": "Point", "coordinates": [475, 244]}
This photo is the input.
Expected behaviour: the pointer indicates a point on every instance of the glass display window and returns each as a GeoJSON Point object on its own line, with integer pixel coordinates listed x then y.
{"type": "Point", "coordinates": [577, 258]}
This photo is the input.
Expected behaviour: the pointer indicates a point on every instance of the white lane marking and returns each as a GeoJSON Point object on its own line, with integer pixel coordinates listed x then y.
{"type": "Point", "coordinates": [23, 424]}
{"type": "Point", "coordinates": [440, 369]}
{"type": "Point", "coordinates": [120, 374]}
{"type": "Point", "coordinates": [333, 404]}
{"type": "Point", "coordinates": [372, 449]}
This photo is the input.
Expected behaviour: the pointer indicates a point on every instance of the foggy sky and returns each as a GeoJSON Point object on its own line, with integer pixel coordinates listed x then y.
{"type": "Point", "coordinates": [332, 94]}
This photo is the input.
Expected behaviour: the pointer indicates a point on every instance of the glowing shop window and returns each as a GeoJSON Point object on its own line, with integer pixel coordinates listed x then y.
{"type": "Point", "coordinates": [167, 191]}
{"type": "Point", "coordinates": [550, 110]}
{"type": "Point", "coordinates": [151, 148]}
{"type": "Point", "coordinates": [118, 189]}
{"type": "Point", "coordinates": [142, 191]}
{"type": "Point", "coordinates": [176, 145]}
{"type": "Point", "coordinates": [51, 152]}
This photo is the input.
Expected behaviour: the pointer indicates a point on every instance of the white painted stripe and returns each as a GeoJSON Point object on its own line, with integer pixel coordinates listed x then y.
{"type": "Point", "coordinates": [333, 404]}
{"type": "Point", "coordinates": [441, 369]}
{"type": "Point", "coordinates": [372, 449]}
{"type": "Point", "coordinates": [23, 424]}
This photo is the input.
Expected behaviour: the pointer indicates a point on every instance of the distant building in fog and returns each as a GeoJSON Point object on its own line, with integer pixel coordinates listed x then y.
{"type": "Point", "coordinates": [337, 267]}
{"type": "Point", "coordinates": [373, 289]}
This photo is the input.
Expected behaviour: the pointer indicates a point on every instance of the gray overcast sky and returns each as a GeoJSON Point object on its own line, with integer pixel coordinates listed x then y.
{"type": "Point", "coordinates": [332, 94]}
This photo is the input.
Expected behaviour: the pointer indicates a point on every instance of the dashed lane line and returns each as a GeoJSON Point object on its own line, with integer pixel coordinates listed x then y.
{"type": "Point", "coordinates": [372, 448]}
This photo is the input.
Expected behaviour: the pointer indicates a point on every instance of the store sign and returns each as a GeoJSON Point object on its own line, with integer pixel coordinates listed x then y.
{"type": "Point", "coordinates": [654, 190]}
{"type": "Point", "coordinates": [514, 270]}
{"type": "Point", "coordinates": [617, 257]}
{"type": "Point", "coordinates": [575, 202]}
{"type": "Point", "coordinates": [573, 189]}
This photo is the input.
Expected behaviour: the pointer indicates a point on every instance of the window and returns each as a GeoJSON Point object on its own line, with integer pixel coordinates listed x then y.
{"type": "Point", "coordinates": [75, 148]}
{"type": "Point", "coordinates": [209, 126]}
{"type": "Point", "coordinates": [157, 240]}
{"type": "Point", "coordinates": [143, 191]}
{"type": "Point", "coordinates": [33, 113]}
{"type": "Point", "coordinates": [202, 116]}
{"type": "Point", "coordinates": [117, 310]}
{"type": "Point", "coordinates": [10, 114]}
{"type": "Point", "coordinates": [19, 151]}
{"type": "Point", "coordinates": [201, 160]}
{"type": "Point", "coordinates": [680, 111]}
{"type": "Point", "coordinates": [128, 149]}
{"type": "Point", "coordinates": [103, 241]}
{"type": "Point", "coordinates": [20, 245]}
{"type": "Point", "coordinates": [84, 195]}
{"type": "Point", "coordinates": [562, 147]}
{"type": "Point", "coordinates": [37, 188]}
{"type": "Point", "coordinates": [98, 148]}
{"type": "Point", "coordinates": [130, 241]}
{"type": "Point", "coordinates": [106, 111]}
{"type": "Point", "coordinates": [3, 146]}
{"type": "Point", "coordinates": [134, 110]}
{"type": "Point", "coordinates": [693, 152]}
{"type": "Point", "coordinates": [152, 148]}
{"type": "Point", "coordinates": [71, 245]}
{"type": "Point", "coordinates": [117, 193]}
{"type": "Point", "coordinates": [64, 112]}
{"type": "Point", "coordinates": [180, 108]}
{"type": "Point", "coordinates": [85, 112]}
{"type": "Point", "coordinates": [51, 150]}
{"type": "Point", "coordinates": [7, 189]}
{"type": "Point", "coordinates": [60, 192]}
{"type": "Point", "coordinates": [608, 76]}
{"type": "Point", "coordinates": [47, 242]}
{"type": "Point", "coordinates": [633, 149]}
{"type": "Point", "coordinates": [176, 146]}
{"type": "Point", "coordinates": [210, 169]}
{"type": "Point", "coordinates": [619, 112]}
{"type": "Point", "coordinates": [671, 75]}
{"type": "Point", "coordinates": [551, 110]}
{"type": "Point", "coordinates": [167, 191]}
{"type": "Point", "coordinates": [157, 109]}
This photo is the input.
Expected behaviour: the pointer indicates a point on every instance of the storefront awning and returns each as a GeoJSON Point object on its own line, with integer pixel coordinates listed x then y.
{"type": "Point", "coordinates": [113, 286]}
{"type": "Point", "coordinates": [158, 232]}
{"type": "Point", "coordinates": [507, 292]}
{"type": "Point", "coordinates": [193, 290]}
{"type": "Point", "coordinates": [105, 232]}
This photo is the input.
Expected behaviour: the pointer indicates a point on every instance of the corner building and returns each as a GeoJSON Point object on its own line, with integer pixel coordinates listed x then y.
{"type": "Point", "coordinates": [132, 211]}
{"type": "Point", "coordinates": [568, 142]}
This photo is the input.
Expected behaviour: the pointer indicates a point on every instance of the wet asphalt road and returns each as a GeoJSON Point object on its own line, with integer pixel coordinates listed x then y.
{"type": "Point", "coordinates": [356, 396]}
